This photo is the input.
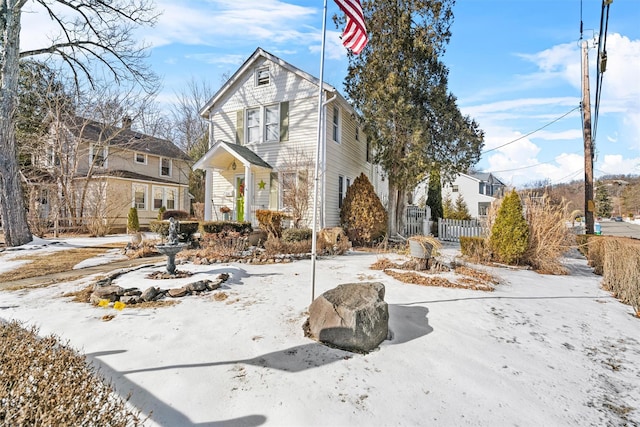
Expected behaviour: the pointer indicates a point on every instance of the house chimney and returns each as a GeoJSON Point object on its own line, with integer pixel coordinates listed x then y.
{"type": "Point", "coordinates": [126, 122]}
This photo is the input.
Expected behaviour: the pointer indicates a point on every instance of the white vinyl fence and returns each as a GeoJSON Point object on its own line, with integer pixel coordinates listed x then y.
{"type": "Point", "coordinates": [451, 230]}
{"type": "Point", "coordinates": [415, 221]}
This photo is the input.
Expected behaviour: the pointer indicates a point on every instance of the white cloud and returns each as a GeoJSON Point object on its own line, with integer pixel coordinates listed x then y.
{"type": "Point", "coordinates": [615, 164]}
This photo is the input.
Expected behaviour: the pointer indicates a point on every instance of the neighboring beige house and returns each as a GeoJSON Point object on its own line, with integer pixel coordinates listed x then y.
{"type": "Point", "coordinates": [478, 190]}
{"type": "Point", "coordinates": [97, 172]}
{"type": "Point", "coordinates": [263, 128]}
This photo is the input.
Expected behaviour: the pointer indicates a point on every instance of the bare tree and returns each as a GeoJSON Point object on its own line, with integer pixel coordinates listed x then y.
{"type": "Point", "coordinates": [297, 186]}
{"type": "Point", "coordinates": [94, 35]}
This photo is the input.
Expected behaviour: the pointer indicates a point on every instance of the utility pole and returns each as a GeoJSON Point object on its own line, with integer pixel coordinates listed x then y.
{"type": "Point", "coordinates": [589, 205]}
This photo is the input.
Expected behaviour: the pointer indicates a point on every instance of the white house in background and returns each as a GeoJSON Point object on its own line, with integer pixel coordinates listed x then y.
{"type": "Point", "coordinates": [478, 190]}
{"type": "Point", "coordinates": [263, 133]}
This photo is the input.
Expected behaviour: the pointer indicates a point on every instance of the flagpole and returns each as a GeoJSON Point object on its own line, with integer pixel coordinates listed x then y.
{"type": "Point", "coordinates": [316, 178]}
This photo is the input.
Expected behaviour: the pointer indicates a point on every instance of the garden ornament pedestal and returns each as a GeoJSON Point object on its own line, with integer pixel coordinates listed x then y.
{"type": "Point", "coordinates": [172, 247]}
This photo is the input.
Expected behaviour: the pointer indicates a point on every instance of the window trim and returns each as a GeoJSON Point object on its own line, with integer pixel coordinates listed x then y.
{"type": "Point", "coordinates": [257, 126]}
{"type": "Point", "coordinates": [170, 166]}
{"type": "Point", "coordinates": [265, 123]}
{"type": "Point", "coordinates": [260, 78]}
{"type": "Point", "coordinates": [336, 124]}
{"type": "Point", "coordinates": [145, 189]}
{"type": "Point", "coordinates": [135, 158]}
{"type": "Point", "coordinates": [341, 191]}
{"type": "Point", "coordinates": [165, 191]}
{"type": "Point", "coordinates": [92, 155]}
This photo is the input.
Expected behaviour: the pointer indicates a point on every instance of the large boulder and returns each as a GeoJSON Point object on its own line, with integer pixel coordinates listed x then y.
{"type": "Point", "coordinates": [352, 316]}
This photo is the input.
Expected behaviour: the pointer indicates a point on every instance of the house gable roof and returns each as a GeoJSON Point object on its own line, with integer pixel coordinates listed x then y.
{"type": "Point", "coordinates": [248, 64]}
{"type": "Point", "coordinates": [94, 131]}
{"type": "Point", "coordinates": [215, 156]}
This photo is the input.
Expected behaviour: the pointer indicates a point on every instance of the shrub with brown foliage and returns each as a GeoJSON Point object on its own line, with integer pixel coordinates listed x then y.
{"type": "Point", "coordinates": [475, 249]}
{"type": "Point", "coordinates": [549, 236]}
{"type": "Point", "coordinates": [621, 269]}
{"type": "Point", "coordinates": [271, 221]}
{"type": "Point", "coordinates": [274, 246]}
{"type": "Point", "coordinates": [362, 215]}
{"type": "Point", "coordinates": [45, 383]}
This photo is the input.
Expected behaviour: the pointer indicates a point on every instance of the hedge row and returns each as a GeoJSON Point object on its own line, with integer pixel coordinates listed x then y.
{"type": "Point", "coordinates": [186, 229]}
{"type": "Point", "coordinates": [617, 259]}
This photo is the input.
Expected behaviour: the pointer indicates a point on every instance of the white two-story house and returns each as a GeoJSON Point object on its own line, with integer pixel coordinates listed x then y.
{"type": "Point", "coordinates": [263, 133]}
{"type": "Point", "coordinates": [478, 190]}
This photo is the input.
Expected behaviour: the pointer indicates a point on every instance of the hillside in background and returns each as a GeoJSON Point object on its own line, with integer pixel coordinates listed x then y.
{"type": "Point", "coordinates": [621, 191]}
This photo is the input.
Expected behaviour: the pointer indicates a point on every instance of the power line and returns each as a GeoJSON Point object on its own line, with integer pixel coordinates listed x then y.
{"type": "Point", "coordinates": [601, 61]}
{"type": "Point", "coordinates": [525, 167]}
{"type": "Point", "coordinates": [532, 132]}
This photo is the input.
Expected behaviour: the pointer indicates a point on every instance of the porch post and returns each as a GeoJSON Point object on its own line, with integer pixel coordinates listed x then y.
{"type": "Point", "coordinates": [248, 194]}
{"type": "Point", "coordinates": [207, 194]}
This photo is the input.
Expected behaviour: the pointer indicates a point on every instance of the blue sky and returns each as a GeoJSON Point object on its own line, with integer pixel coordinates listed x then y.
{"type": "Point", "coordinates": [514, 66]}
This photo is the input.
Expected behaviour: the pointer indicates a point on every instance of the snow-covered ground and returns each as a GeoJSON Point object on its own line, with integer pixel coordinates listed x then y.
{"type": "Point", "coordinates": [539, 350]}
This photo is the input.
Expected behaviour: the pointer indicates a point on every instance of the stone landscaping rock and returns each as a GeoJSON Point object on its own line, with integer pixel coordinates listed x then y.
{"type": "Point", "coordinates": [131, 299]}
{"type": "Point", "coordinates": [177, 292]}
{"type": "Point", "coordinates": [352, 316]}
{"type": "Point", "coordinates": [110, 293]}
{"type": "Point", "coordinates": [149, 294]}
{"type": "Point", "coordinates": [198, 286]}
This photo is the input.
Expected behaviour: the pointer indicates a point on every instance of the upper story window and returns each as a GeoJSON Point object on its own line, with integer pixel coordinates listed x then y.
{"type": "Point", "coordinates": [262, 124]}
{"type": "Point", "coordinates": [98, 156]}
{"type": "Point", "coordinates": [165, 166]}
{"type": "Point", "coordinates": [262, 76]}
{"type": "Point", "coordinates": [336, 124]}
{"type": "Point", "coordinates": [454, 188]}
{"type": "Point", "coordinates": [140, 158]}
{"type": "Point", "coordinates": [272, 122]}
{"type": "Point", "coordinates": [253, 125]}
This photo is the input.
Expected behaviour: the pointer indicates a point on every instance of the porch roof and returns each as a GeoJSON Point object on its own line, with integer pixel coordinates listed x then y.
{"type": "Point", "coordinates": [222, 154]}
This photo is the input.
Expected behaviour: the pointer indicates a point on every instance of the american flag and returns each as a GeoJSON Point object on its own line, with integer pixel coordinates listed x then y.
{"type": "Point", "coordinates": [354, 36]}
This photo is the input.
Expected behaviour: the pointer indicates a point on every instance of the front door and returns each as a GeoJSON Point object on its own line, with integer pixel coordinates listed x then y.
{"type": "Point", "coordinates": [240, 198]}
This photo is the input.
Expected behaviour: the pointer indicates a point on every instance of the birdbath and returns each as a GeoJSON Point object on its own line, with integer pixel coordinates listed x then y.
{"type": "Point", "coordinates": [172, 247]}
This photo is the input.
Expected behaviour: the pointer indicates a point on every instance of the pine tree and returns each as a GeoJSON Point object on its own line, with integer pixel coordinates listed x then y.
{"type": "Point", "coordinates": [434, 195]}
{"type": "Point", "coordinates": [604, 207]}
{"type": "Point", "coordinates": [448, 210]}
{"type": "Point", "coordinates": [362, 215]}
{"type": "Point", "coordinates": [133, 223]}
{"type": "Point", "coordinates": [461, 211]}
{"type": "Point", "coordinates": [510, 232]}
{"type": "Point", "coordinates": [399, 84]}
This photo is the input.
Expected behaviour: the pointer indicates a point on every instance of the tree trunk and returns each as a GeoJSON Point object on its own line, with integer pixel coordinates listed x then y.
{"type": "Point", "coordinates": [397, 204]}
{"type": "Point", "coordinates": [12, 207]}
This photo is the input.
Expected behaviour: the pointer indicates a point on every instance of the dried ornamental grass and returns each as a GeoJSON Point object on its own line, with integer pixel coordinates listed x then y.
{"type": "Point", "coordinates": [45, 383]}
{"type": "Point", "coordinates": [621, 267]}
{"type": "Point", "coordinates": [549, 236]}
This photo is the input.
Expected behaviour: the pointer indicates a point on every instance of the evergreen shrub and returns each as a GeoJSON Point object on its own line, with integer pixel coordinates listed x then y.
{"type": "Point", "coordinates": [179, 215]}
{"type": "Point", "coordinates": [510, 232]}
{"type": "Point", "coordinates": [362, 216]}
{"type": "Point", "coordinates": [215, 227]}
{"type": "Point", "coordinates": [133, 223]}
{"type": "Point", "coordinates": [296, 234]}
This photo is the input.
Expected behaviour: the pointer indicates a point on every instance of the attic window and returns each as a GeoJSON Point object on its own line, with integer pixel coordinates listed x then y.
{"type": "Point", "coordinates": [262, 76]}
{"type": "Point", "coordinates": [141, 158]}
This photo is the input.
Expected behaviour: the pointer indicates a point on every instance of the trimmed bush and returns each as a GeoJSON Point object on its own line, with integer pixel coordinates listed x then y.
{"type": "Point", "coordinates": [621, 269]}
{"type": "Point", "coordinates": [215, 227]}
{"type": "Point", "coordinates": [186, 229]}
{"type": "Point", "coordinates": [362, 216]}
{"type": "Point", "coordinates": [271, 221]}
{"type": "Point", "coordinates": [133, 223]}
{"type": "Point", "coordinates": [161, 212]}
{"type": "Point", "coordinates": [475, 248]}
{"type": "Point", "coordinates": [510, 232]}
{"type": "Point", "coordinates": [179, 215]}
{"type": "Point", "coordinates": [296, 234]}
{"type": "Point", "coordinates": [46, 383]}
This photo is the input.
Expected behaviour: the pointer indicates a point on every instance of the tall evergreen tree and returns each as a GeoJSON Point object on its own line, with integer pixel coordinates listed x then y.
{"type": "Point", "coordinates": [434, 195]}
{"type": "Point", "coordinates": [399, 84]}
{"type": "Point", "coordinates": [604, 207]}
